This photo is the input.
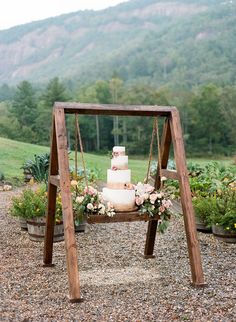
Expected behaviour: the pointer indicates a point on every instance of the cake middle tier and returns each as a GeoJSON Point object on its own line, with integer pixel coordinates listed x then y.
{"type": "Point", "coordinates": [118, 176]}
{"type": "Point", "coordinates": [120, 162]}
{"type": "Point", "coordinates": [122, 200]}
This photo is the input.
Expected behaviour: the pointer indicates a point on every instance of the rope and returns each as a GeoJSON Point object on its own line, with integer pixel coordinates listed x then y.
{"type": "Point", "coordinates": [76, 149]}
{"type": "Point", "coordinates": [81, 149]}
{"type": "Point", "coordinates": [159, 153]}
{"type": "Point", "coordinates": [150, 152]}
{"type": "Point", "coordinates": [155, 131]}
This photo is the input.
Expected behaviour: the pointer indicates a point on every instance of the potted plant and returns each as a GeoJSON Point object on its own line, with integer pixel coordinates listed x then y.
{"type": "Point", "coordinates": [224, 216]}
{"type": "Point", "coordinates": [31, 206]}
{"type": "Point", "coordinates": [203, 208]}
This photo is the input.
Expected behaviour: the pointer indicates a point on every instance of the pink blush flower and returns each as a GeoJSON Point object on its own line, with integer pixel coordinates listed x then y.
{"type": "Point", "coordinates": [162, 208]}
{"type": "Point", "coordinates": [149, 188]}
{"type": "Point", "coordinates": [139, 201]}
{"type": "Point", "coordinates": [153, 198]}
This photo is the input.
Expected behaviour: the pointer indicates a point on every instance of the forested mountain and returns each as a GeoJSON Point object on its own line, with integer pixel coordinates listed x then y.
{"type": "Point", "coordinates": [181, 42]}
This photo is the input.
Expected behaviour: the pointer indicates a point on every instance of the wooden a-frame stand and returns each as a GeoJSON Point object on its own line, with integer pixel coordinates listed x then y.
{"type": "Point", "coordinates": [59, 177]}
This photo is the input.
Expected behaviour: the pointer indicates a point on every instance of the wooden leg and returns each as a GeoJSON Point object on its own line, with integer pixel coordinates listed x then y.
{"type": "Point", "coordinates": [152, 225]}
{"type": "Point", "coordinates": [150, 239]}
{"type": "Point", "coordinates": [186, 200]}
{"type": "Point", "coordinates": [70, 241]}
{"type": "Point", "coordinates": [51, 207]}
{"type": "Point", "coordinates": [50, 220]}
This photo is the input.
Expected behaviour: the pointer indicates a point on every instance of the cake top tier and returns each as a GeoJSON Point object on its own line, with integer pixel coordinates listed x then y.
{"type": "Point", "coordinates": [119, 149]}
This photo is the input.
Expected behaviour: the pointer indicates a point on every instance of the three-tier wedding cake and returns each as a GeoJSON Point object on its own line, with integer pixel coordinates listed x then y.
{"type": "Point", "coordinates": [119, 190]}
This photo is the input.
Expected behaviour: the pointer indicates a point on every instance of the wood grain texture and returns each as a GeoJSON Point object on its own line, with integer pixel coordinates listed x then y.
{"type": "Point", "coordinates": [186, 201]}
{"type": "Point", "coordinates": [54, 180]}
{"type": "Point", "coordinates": [109, 109]}
{"type": "Point", "coordinates": [120, 217]}
{"type": "Point", "coordinates": [164, 156]}
{"type": "Point", "coordinates": [52, 194]}
{"type": "Point", "coordinates": [69, 232]}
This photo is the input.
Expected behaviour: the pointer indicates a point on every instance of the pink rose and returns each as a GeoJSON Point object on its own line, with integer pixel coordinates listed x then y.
{"type": "Point", "coordinates": [153, 198]}
{"type": "Point", "coordinates": [162, 208]}
{"type": "Point", "coordinates": [166, 203]}
{"type": "Point", "coordinates": [90, 190]}
{"type": "Point", "coordinates": [149, 188]}
{"type": "Point", "coordinates": [139, 201]}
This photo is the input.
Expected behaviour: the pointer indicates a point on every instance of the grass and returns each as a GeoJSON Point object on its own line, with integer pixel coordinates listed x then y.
{"type": "Point", "coordinates": [13, 154]}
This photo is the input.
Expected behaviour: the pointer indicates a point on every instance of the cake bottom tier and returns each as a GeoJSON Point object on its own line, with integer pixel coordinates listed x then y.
{"type": "Point", "coordinates": [122, 199]}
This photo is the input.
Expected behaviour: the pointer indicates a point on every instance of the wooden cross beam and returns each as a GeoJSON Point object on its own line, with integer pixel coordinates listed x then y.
{"type": "Point", "coordinates": [59, 177]}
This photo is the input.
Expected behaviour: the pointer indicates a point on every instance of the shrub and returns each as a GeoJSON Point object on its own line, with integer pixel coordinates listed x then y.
{"type": "Point", "coordinates": [38, 167]}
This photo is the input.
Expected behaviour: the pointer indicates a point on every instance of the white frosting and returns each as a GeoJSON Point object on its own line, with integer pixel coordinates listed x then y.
{"type": "Point", "coordinates": [122, 199]}
{"type": "Point", "coordinates": [119, 197]}
{"type": "Point", "coordinates": [120, 162]}
{"type": "Point", "coordinates": [119, 176]}
{"type": "Point", "coordinates": [119, 149]}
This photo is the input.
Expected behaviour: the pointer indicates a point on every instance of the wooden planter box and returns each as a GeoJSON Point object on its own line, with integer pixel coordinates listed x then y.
{"type": "Point", "coordinates": [37, 227]}
{"type": "Point", "coordinates": [224, 235]}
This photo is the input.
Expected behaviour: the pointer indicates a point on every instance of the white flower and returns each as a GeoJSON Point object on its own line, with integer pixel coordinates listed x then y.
{"type": "Point", "coordinates": [74, 183]}
{"type": "Point", "coordinates": [90, 206]}
{"type": "Point", "coordinates": [146, 196]}
{"type": "Point", "coordinates": [153, 198]}
{"type": "Point", "coordinates": [109, 206]}
{"type": "Point", "coordinates": [79, 199]}
{"type": "Point", "coordinates": [102, 209]}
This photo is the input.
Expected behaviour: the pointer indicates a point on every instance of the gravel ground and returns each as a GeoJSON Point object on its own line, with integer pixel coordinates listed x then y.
{"type": "Point", "coordinates": [117, 283]}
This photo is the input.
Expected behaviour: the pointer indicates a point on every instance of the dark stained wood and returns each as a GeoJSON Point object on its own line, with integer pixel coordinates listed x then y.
{"type": "Point", "coordinates": [55, 180]}
{"type": "Point", "coordinates": [186, 201]}
{"type": "Point", "coordinates": [170, 174]}
{"type": "Point", "coordinates": [165, 151]}
{"type": "Point", "coordinates": [108, 109]}
{"type": "Point", "coordinates": [150, 239]}
{"type": "Point", "coordinates": [165, 148]}
{"type": "Point", "coordinates": [69, 232]}
{"type": "Point", "coordinates": [59, 164]}
{"type": "Point", "coordinates": [120, 217]}
{"type": "Point", "coordinates": [52, 194]}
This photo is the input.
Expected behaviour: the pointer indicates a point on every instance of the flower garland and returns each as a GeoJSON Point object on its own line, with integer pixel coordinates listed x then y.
{"type": "Point", "coordinates": [90, 202]}
{"type": "Point", "coordinates": [154, 203]}
{"type": "Point", "coordinates": [148, 200]}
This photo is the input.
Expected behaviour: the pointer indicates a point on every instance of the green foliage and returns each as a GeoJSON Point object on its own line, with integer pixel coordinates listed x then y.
{"type": "Point", "coordinates": [33, 203]}
{"type": "Point", "coordinates": [204, 207]}
{"type": "Point", "coordinates": [212, 180]}
{"type": "Point", "coordinates": [2, 177]}
{"type": "Point", "coordinates": [29, 204]}
{"type": "Point", "coordinates": [38, 167]}
{"type": "Point", "coordinates": [225, 211]}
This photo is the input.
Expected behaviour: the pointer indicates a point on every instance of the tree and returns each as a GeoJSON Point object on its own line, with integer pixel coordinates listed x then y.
{"type": "Point", "coordinates": [116, 92]}
{"type": "Point", "coordinates": [24, 109]}
{"type": "Point", "coordinates": [54, 92]}
{"type": "Point", "coordinates": [207, 131]}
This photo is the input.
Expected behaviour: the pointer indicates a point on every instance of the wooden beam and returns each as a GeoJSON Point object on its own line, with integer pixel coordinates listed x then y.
{"type": "Point", "coordinates": [170, 174]}
{"type": "Point", "coordinates": [69, 231]}
{"type": "Point", "coordinates": [152, 226]}
{"type": "Point", "coordinates": [52, 194]}
{"type": "Point", "coordinates": [55, 180]}
{"type": "Point", "coordinates": [108, 109]}
{"type": "Point", "coordinates": [186, 201]}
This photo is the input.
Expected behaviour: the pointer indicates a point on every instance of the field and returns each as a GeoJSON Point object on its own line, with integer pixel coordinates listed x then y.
{"type": "Point", "coordinates": [14, 153]}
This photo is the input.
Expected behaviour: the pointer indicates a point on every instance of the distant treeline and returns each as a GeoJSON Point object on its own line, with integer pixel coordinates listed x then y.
{"type": "Point", "coordinates": [208, 115]}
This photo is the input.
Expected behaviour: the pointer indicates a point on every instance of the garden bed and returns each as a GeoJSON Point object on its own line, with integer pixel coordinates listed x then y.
{"type": "Point", "coordinates": [117, 283]}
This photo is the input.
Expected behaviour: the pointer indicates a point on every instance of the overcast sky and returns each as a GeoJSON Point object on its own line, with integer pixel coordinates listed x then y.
{"type": "Point", "coordinates": [16, 12]}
